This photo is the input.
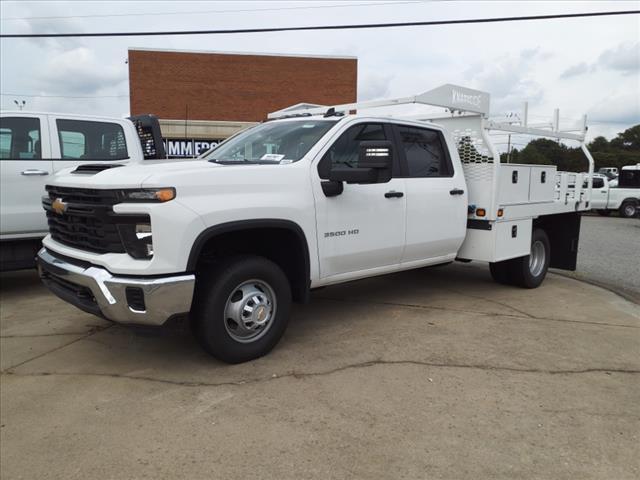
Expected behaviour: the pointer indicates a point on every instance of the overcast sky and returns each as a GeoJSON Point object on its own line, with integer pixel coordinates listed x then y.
{"type": "Point", "coordinates": [584, 65]}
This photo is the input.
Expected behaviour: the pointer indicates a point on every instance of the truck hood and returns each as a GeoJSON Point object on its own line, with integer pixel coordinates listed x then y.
{"type": "Point", "coordinates": [128, 176]}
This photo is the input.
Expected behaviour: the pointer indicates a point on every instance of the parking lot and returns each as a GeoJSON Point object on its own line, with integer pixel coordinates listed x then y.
{"type": "Point", "coordinates": [609, 254]}
{"type": "Point", "coordinates": [432, 373]}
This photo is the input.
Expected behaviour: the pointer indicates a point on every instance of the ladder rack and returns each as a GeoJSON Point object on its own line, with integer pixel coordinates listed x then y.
{"type": "Point", "coordinates": [460, 101]}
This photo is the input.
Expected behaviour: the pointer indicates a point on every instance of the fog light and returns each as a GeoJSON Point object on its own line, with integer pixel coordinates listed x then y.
{"type": "Point", "coordinates": [137, 239]}
{"type": "Point", "coordinates": [143, 230]}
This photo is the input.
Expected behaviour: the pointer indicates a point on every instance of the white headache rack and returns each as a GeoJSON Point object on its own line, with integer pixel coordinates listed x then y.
{"type": "Point", "coordinates": [497, 192]}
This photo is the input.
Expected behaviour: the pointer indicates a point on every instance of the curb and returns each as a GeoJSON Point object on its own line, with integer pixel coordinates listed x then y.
{"type": "Point", "coordinates": [635, 299]}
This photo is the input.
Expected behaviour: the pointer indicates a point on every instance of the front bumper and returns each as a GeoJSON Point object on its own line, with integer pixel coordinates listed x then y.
{"type": "Point", "coordinates": [117, 298]}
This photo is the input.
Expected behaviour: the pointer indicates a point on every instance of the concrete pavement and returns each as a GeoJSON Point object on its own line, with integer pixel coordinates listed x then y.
{"type": "Point", "coordinates": [432, 373]}
{"type": "Point", "coordinates": [609, 254]}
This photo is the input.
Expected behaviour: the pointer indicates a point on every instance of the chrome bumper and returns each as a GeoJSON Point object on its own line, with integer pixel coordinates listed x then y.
{"type": "Point", "coordinates": [95, 290]}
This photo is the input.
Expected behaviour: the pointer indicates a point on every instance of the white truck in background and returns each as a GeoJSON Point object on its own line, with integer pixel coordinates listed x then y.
{"type": "Point", "coordinates": [312, 197]}
{"type": "Point", "coordinates": [34, 146]}
{"type": "Point", "coordinates": [621, 195]}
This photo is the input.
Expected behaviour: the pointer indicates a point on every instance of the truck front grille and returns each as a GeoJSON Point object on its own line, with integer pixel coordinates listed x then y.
{"type": "Point", "coordinates": [86, 219]}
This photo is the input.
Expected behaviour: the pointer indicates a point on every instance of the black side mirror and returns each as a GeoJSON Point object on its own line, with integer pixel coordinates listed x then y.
{"type": "Point", "coordinates": [148, 128]}
{"type": "Point", "coordinates": [374, 164]}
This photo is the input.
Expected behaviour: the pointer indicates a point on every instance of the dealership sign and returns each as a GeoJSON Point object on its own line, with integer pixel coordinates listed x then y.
{"type": "Point", "coordinates": [187, 148]}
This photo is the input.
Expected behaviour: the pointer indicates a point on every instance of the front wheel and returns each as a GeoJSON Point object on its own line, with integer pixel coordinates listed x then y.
{"type": "Point", "coordinates": [241, 308]}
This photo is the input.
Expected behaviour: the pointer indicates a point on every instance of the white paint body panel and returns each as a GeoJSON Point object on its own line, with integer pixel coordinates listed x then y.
{"type": "Point", "coordinates": [21, 212]}
{"type": "Point", "coordinates": [513, 185]}
{"type": "Point", "coordinates": [542, 183]}
{"type": "Point", "coordinates": [498, 243]}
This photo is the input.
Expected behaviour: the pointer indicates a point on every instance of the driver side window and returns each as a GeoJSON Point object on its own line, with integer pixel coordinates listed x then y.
{"type": "Point", "coordinates": [346, 150]}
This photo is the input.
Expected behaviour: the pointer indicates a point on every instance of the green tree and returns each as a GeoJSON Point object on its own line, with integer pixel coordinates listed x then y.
{"type": "Point", "coordinates": [628, 140]}
{"type": "Point", "coordinates": [623, 150]}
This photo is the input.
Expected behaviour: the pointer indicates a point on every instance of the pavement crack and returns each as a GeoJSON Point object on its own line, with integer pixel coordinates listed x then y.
{"type": "Point", "coordinates": [485, 314]}
{"type": "Point", "coordinates": [301, 375]}
{"type": "Point", "coordinates": [495, 302]}
{"type": "Point", "coordinates": [88, 334]}
{"type": "Point", "coordinates": [57, 334]}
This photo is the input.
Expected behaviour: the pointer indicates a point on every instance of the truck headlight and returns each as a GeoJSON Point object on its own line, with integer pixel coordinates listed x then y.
{"type": "Point", "coordinates": [148, 195]}
{"type": "Point", "coordinates": [137, 239]}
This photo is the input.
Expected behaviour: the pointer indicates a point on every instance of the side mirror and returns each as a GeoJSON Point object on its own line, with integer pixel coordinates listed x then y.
{"type": "Point", "coordinates": [148, 128]}
{"type": "Point", "coordinates": [374, 164]}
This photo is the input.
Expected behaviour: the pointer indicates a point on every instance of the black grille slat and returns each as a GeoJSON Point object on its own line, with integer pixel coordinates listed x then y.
{"type": "Point", "coordinates": [83, 195]}
{"type": "Point", "coordinates": [88, 222]}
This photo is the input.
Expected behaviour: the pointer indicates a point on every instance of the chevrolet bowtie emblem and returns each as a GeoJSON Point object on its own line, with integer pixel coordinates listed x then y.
{"type": "Point", "coordinates": [59, 206]}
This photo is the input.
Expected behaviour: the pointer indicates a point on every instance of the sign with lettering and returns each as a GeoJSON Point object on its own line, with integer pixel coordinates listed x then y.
{"type": "Point", "coordinates": [184, 148]}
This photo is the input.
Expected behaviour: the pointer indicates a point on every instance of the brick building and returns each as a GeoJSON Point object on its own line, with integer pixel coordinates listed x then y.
{"type": "Point", "coordinates": [203, 97]}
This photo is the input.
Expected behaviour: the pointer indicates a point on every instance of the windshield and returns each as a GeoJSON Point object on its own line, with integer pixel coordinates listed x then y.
{"type": "Point", "coordinates": [272, 142]}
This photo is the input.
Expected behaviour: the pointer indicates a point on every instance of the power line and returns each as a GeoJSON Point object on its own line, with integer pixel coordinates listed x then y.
{"type": "Point", "coordinates": [320, 27]}
{"type": "Point", "coordinates": [194, 12]}
{"type": "Point", "coordinates": [60, 96]}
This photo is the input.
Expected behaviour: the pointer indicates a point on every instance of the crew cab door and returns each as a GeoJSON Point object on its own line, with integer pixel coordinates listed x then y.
{"type": "Point", "coordinates": [363, 227]}
{"type": "Point", "coordinates": [436, 195]}
{"type": "Point", "coordinates": [25, 167]}
{"type": "Point", "coordinates": [599, 194]}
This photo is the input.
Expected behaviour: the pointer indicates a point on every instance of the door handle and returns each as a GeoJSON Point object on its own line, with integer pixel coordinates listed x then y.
{"type": "Point", "coordinates": [33, 172]}
{"type": "Point", "coordinates": [456, 191]}
{"type": "Point", "coordinates": [393, 194]}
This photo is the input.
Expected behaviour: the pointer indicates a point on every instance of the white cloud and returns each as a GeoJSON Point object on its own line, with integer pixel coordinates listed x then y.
{"type": "Point", "coordinates": [508, 79]}
{"type": "Point", "coordinates": [79, 72]}
{"type": "Point", "coordinates": [373, 85]}
{"type": "Point", "coordinates": [575, 70]}
{"type": "Point", "coordinates": [623, 108]}
{"type": "Point", "coordinates": [624, 58]}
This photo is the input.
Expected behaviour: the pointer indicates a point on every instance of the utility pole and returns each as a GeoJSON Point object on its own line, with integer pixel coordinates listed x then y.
{"type": "Point", "coordinates": [509, 149]}
{"type": "Point", "coordinates": [20, 104]}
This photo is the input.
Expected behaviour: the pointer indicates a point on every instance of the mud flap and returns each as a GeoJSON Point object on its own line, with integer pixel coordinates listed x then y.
{"type": "Point", "coordinates": [563, 230]}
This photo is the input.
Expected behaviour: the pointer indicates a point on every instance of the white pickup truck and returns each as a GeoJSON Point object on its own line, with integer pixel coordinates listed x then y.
{"type": "Point", "coordinates": [34, 146]}
{"type": "Point", "coordinates": [624, 197]}
{"type": "Point", "coordinates": [310, 198]}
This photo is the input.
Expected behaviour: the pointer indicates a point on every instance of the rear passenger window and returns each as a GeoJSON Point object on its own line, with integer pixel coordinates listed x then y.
{"type": "Point", "coordinates": [85, 140]}
{"type": "Point", "coordinates": [425, 153]}
{"type": "Point", "coordinates": [346, 150]}
{"type": "Point", "coordinates": [20, 138]}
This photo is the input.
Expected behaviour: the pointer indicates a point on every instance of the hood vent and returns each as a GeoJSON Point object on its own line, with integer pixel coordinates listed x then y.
{"type": "Point", "coordinates": [93, 168]}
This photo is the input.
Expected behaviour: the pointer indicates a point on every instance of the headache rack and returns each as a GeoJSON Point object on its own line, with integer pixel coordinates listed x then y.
{"type": "Point", "coordinates": [497, 190]}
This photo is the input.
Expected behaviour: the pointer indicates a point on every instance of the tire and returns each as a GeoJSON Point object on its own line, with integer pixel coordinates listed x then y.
{"type": "Point", "coordinates": [530, 271]}
{"type": "Point", "coordinates": [241, 308]}
{"type": "Point", "coordinates": [628, 210]}
{"type": "Point", "coordinates": [604, 213]}
{"type": "Point", "coordinates": [500, 272]}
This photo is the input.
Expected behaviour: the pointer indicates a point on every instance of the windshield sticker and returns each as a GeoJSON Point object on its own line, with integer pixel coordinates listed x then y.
{"type": "Point", "coordinates": [308, 125]}
{"type": "Point", "coordinates": [272, 157]}
{"type": "Point", "coordinates": [285, 162]}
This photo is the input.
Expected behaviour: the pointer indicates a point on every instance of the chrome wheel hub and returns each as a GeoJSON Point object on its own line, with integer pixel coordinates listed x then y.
{"type": "Point", "coordinates": [537, 258]}
{"type": "Point", "coordinates": [249, 311]}
{"type": "Point", "coordinates": [629, 210]}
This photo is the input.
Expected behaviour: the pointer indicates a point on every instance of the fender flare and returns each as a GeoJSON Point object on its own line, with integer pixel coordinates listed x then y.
{"type": "Point", "coordinates": [239, 225]}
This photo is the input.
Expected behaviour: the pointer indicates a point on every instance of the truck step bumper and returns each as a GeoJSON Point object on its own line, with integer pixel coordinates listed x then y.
{"type": "Point", "coordinates": [127, 300]}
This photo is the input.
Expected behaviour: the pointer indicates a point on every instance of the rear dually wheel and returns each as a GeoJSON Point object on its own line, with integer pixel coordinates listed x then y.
{"type": "Point", "coordinates": [528, 271]}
